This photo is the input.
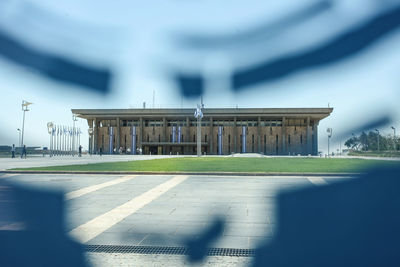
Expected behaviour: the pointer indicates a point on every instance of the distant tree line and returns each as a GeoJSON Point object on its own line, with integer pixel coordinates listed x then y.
{"type": "Point", "coordinates": [369, 142]}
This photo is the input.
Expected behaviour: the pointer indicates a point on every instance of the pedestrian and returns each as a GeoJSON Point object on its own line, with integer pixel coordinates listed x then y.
{"type": "Point", "coordinates": [23, 152]}
{"type": "Point", "coordinates": [13, 151]}
{"type": "Point", "coordinates": [101, 151]}
{"type": "Point", "coordinates": [80, 151]}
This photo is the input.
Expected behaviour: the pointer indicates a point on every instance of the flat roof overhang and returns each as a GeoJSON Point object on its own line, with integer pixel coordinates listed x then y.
{"type": "Point", "coordinates": [217, 113]}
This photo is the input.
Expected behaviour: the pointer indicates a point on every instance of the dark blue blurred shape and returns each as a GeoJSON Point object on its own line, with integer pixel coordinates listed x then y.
{"type": "Point", "coordinates": [54, 66]}
{"type": "Point", "coordinates": [339, 48]}
{"type": "Point", "coordinates": [371, 125]}
{"type": "Point", "coordinates": [264, 30]}
{"type": "Point", "coordinates": [352, 223]}
{"type": "Point", "coordinates": [191, 85]}
{"type": "Point", "coordinates": [198, 248]}
{"type": "Point", "coordinates": [39, 239]}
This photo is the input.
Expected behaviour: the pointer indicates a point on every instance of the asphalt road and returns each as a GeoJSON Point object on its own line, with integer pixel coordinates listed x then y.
{"type": "Point", "coordinates": [167, 210]}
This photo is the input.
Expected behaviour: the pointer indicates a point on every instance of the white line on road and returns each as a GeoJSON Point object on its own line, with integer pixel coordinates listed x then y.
{"type": "Point", "coordinates": [98, 225]}
{"type": "Point", "coordinates": [8, 175]}
{"type": "Point", "coordinates": [317, 180]}
{"type": "Point", "coordinates": [89, 189]}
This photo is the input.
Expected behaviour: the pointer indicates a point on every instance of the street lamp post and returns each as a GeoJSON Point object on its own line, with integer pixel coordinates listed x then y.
{"type": "Point", "coordinates": [199, 115]}
{"type": "Point", "coordinates": [25, 105]}
{"type": "Point", "coordinates": [329, 131]}
{"type": "Point", "coordinates": [394, 138]}
{"type": "Point", "coordinates": [74, 119]}
{"type": "Point", "coordinates": [19, 137]}
{"type": "Point", "coordinates": [50, 127]}
{"type": "Point", "coordinates": [378, 138]}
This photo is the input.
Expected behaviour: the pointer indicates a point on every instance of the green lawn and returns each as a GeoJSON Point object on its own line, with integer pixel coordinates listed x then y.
{"type": "Point", "coordinates": [219, 164]}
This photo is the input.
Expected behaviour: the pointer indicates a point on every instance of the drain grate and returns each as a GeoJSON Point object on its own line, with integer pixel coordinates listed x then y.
{"type": "Point", "coordinates": [232, 252]}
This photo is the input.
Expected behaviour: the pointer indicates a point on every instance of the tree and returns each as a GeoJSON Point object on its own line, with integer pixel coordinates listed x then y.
{"type": "Point", "coordinates": [352, 143]}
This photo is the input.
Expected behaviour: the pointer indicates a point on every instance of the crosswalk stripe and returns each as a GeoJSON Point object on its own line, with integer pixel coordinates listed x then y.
{"type": "Point", "coordinates": [92, 188]}
{"type": "Point", "coordinates": [98, 225]}
{"type": "Point", "coordinates": [317, 180]}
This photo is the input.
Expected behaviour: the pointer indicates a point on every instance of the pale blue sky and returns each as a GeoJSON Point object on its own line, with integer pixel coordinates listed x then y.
{"type": "Point", "coordinates": [138, 40]}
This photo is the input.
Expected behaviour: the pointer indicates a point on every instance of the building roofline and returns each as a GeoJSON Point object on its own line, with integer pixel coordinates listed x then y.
{"type": "Point", "coordinates": [319, 113]}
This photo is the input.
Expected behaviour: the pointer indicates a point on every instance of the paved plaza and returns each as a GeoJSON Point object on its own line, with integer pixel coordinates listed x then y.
{"type": "Point", "coordinates": [40, 161]}
{"type": "Point", "coordinates": [167, 210]}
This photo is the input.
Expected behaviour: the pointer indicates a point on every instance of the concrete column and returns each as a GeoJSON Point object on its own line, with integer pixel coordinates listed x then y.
{"type": "Point", "coordinates": [118, 135]}
{"type": "Point", "coordinates": [211, 136]}
{"type": "Point", "coordinates": [187, 136]}
{"type": "Point", "coordinates": [284, 150]}
{"type": "Point", "coordinates": [259, 135]}
{"type": "Point", "coordinates": [141, 131]}
{"type": "Point", "coordinates": [90, 146]}
{"type": "Point", "coordinates": [315, 139]}
{"type": "Point", "coordinates": [96, 135]}
{"type": "Point", "coordinates": [309, 137]}
{"type": "Point", "coordinates": [235, 139]}
{"type": "Point", "coordinates": [164, 135]}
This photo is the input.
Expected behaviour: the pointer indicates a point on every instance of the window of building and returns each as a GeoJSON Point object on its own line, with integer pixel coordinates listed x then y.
{"type": "Point", "coordinates": [177, 123]}
{"type": "Point", "coordinates": [159, 138]}
{"type": "Point", "coordinates": [205, 138]}
{"type": "Point", "coordinates": [127, 123]}
{"type": "Point", "coordinates": [289, 139]}
{"type": "Point", "coordinates": [153, 123]}
{"type": "Point", "coordinates": [247, 123]}
{"type": "Point", "coordinates": [301, 138]}
{"type": "Point", "coordinates": [203, 123]}
{"type": "Point", "coordinates": [223, 123]}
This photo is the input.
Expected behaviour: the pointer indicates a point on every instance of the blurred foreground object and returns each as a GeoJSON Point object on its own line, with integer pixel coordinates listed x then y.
{"type": "Point", "coordinates": [32, 229]}
{"type": "Point", "coordinates": [352, 223]}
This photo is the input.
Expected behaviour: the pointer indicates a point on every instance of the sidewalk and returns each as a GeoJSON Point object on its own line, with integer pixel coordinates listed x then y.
{"type": "Point", "coordinates": [35, 161]}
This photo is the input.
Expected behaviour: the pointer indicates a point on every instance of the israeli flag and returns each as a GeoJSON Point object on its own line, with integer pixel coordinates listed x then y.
{"type": "Point", "coordinates": [198, 113]}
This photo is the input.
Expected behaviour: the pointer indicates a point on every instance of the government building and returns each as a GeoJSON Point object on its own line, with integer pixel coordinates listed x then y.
{"type": "Point", "coordinates": [270, 131]}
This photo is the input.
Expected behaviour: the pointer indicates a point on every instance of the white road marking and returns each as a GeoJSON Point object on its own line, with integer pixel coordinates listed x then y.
{"type": "Point", "coordinates": [16, 226]}
{"type": "Point", "coordinates": [317, 180]}
{"type": "Point", "coordinates": [8, 175]}
{"type": "Point", "coordinates": [98, 225]}
{"type": "Point", "coordinates": [89, 189]}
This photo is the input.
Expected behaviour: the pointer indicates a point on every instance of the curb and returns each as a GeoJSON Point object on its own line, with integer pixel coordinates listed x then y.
{"type": "Point", "coordinates": [182, 173]}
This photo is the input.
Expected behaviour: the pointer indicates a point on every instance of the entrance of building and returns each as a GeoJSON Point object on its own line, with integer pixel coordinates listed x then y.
{"type": "Point", "coordinates": [153, 150]}
{"type": "Point", "coordinates": [177, 150]}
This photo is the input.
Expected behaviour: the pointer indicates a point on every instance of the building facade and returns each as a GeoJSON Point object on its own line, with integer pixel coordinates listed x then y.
{"type": "Point", "coordinates": [270, 131]}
